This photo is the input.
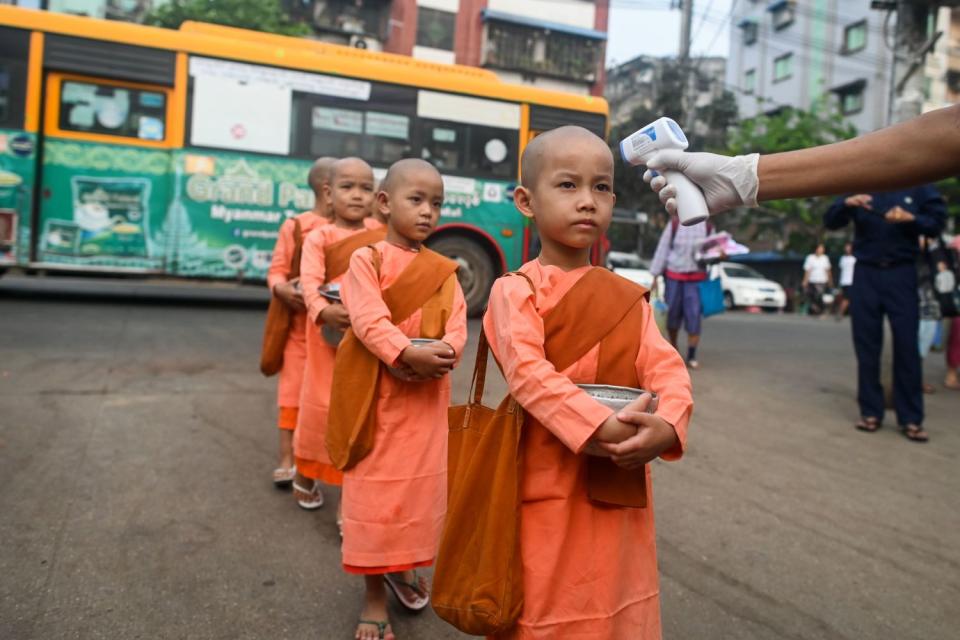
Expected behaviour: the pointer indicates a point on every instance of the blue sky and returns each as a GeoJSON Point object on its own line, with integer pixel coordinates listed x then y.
{"type": "Point", "coordinates": [635, 29]}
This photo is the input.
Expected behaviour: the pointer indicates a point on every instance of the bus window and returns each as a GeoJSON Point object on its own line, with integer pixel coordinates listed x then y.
{"type": "Point", "coordinates": [14, 47]}
{"type": "Point", "coordinates": [444, 144]}
{"type": "Point", "coordinates": [336, 132]}
{"type": "Point", "coordinates": [89, 107]}
{"type": "Point", "coordinates": [493, 152]}
{"type": "Point", "coordinates": [386, 137]}
{"type": "Point", "coordinates": [5, 98]}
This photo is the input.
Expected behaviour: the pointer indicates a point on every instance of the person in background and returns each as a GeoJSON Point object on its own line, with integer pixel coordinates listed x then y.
{"type": "Point", "coordinates": [848, 262]}
{"type": "Point", "coordinates": [817, 278]}
{"type": "Point", "coordinates": [887, 227]}
{"type": "Point", "coordinates": [676, 261]}
{"type": "Point", "coordinates": [289, 291]}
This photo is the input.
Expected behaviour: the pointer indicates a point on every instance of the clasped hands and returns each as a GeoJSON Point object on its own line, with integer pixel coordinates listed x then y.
{"type": "Point", "coordinates": [426, 362]}
{"type": "Point", "coordinates": [896, 214]}
{"type": "Point", "coordinates": [633, 436]}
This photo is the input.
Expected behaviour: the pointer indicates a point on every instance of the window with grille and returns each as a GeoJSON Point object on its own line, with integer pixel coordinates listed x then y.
{"type": "Point", "coordinates": [435, 28]}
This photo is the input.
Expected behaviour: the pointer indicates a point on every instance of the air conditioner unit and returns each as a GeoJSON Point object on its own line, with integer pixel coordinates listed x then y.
{"type": "Point", "coordinates": [365, 42]}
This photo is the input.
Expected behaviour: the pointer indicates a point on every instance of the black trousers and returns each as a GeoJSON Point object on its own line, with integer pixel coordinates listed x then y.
{"type": "Point", "coordinates": [890, 291]}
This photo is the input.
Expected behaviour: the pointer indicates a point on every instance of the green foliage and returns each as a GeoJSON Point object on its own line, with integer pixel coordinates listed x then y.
{"type": "Point", "coordinates": [258, 15]}
{"type": "Point", "coordinates": [790, 224]}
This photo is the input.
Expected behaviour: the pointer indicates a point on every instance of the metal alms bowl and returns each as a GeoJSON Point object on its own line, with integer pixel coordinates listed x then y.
{"type": "Point", "coordinates": [612, 396]}
{"type": "Point", "coordinates": [416, 342]}
{"type": "Point", "coordinates": [332, 293]}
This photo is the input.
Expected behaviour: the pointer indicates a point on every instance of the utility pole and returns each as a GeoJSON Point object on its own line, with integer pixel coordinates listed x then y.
{"type": "Point", "coordinates": [686, 68]}
{"type": "Point", "coordinates": [913, 43]}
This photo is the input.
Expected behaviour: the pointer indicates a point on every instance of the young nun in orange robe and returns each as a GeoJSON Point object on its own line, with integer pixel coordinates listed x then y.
{"type": "Point", "coordinates": [589, 567]}
{"type": "Point", "coordinates": [326, 253]}
{"type": "Point", "coordinates": [394, 499]}
{"type": "Point", "coordinates": [286, 289]}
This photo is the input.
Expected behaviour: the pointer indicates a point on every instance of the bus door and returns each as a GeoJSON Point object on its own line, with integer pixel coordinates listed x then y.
{"type": "Point", "coordinates": [105, 174]}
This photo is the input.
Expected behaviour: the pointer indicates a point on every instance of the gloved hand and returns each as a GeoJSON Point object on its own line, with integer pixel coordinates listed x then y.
{"type": "Point", "coordinates": [726, 182]}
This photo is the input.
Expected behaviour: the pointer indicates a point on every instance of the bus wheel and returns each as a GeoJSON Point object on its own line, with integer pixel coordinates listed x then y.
{"type": "Point", "coordinates": [476, 272]}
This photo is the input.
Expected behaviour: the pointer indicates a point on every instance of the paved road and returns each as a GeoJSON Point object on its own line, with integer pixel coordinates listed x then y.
{"type": "Point", "coordinates": [136, 444]}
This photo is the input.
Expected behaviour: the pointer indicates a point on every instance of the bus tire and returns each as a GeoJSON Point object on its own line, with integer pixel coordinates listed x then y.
{"type": "Point", "coordinates": [476, 272]}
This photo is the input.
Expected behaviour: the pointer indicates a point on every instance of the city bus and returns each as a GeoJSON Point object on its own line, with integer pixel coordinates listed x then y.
{"type": "Point", "coordinates": [127, 149]}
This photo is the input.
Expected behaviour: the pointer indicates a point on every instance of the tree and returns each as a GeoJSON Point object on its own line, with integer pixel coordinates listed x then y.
{"type": "Point", "coordinates": [710, 132]}
{"type": "Point", "coordinates": [791, 224]}
{"type": "Point", "coordinates": [258, 15]}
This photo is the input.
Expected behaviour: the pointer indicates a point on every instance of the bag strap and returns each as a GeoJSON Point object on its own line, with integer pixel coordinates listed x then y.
{"type": "Point", "coordinates": [483, 350]}
{"type": "Point", "coordinates": [297, 249]}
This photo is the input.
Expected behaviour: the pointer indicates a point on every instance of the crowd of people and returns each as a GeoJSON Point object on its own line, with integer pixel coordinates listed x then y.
{"type": "Point", "coordinates": [376, 323]}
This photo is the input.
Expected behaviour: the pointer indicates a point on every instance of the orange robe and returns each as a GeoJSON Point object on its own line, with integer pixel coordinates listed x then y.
{"type": "Point", "coordinates": [394, 500]}
{"type": "Point", "coordinates": [290, 378]}
{"type": "Point", "coordinates": [309, 446]}
{"type": "Point", "coordinates": [589, 572]}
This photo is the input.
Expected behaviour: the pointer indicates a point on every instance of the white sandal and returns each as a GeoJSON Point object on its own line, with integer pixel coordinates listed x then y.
{"type": "Point", "coordinates": [283, 477]}
{"type": "Point", "coordinates": [309, 499]}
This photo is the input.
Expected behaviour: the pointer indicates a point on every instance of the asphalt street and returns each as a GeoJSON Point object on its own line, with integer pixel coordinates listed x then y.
{"type": "Point", "coordinates": [137, 440]}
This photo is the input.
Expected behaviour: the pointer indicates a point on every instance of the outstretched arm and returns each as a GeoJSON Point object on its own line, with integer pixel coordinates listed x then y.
{"type": "Point", "coordinates": [916, 152]}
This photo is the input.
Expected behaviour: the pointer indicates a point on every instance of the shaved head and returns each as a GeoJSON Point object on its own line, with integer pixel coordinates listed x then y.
{"type": "Point", "coordinates": [539, 151]}
{"type": "Point", "coordinates": [320, 173]}
{"type": "Point", "coordinates": [349, 164]}
{"type": "Point", "coordinates": [401, 170]}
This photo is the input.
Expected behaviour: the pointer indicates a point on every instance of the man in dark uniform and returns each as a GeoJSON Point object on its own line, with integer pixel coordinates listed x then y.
{"type": "Point", "coordinates": [886, 244]}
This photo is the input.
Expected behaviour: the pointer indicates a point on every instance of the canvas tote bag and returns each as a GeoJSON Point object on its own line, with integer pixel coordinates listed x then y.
{"type": "Point", "coordinates": [478, 581]}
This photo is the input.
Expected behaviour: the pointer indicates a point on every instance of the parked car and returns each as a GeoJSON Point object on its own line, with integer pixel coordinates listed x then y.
{"type": "Point", "coordinates": [630, 266]}
{"type": "Point", "coordinates": [744, 286]}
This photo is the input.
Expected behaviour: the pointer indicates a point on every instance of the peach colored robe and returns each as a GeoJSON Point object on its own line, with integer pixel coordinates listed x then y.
{"type": "Point", "coordinates": [309, 438]}
{"type": "Point", "coordinates": [295, 352]}
{"type": "Point", "coordinates": [394, 500]}
{"type": "Point", "coordinates": [589, 572]}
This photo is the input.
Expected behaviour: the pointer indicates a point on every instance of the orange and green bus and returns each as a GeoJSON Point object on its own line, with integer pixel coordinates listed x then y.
{"type": "Point", "coordinates": [137, 150]}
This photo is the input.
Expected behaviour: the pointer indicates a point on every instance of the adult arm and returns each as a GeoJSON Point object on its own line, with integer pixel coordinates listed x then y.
{"type": "Point", "coordinates": [931, 215]}
{"type": "Point", "coordinates": [916, 152]}
{"type": "Point", "coordinates": [659, 263]}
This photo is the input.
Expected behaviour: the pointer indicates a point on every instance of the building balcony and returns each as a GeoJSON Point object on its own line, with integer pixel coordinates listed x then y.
{"type": "Point", "coordinates": [353, 19]}
{"type": "Point", "coordinates": [515, 43]}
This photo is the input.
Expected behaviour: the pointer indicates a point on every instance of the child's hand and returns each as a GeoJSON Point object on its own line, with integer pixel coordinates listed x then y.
{"type": "Point", "coordinates": [614, 430]}
{"type": "Point", "coordinates": [336, 316]}
{"type": "Point", "coordinates": [654, 436]}
{"type": "Point", "coordinates": [290, 295]}
{"type": "Point", "coordinates": [430, 361]}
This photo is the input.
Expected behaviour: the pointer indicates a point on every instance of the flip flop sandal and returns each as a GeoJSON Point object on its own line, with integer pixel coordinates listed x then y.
{"type": "Point", "coordinates": [381, 626]}
{"type": "Point", "coordinates": [870, 425]}
{"type": "Point", "coordinates": [283, 478]}
{"type": "Point", "coordinates": [914, 433]}
{"type": "Point", "coordinates": [308, 499]}
{"type": "Point", "coordinates": [416, 605]}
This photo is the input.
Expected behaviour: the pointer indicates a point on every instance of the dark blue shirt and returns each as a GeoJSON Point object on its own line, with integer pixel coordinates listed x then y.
{"type": "Point", "coordinates": [879, 242]}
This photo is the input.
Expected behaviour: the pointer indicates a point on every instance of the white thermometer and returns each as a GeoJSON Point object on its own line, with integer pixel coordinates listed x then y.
{"type": "Point", "coordinates": [662, 134]}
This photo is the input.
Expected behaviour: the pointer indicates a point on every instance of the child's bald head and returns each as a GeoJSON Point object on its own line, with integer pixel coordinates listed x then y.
{"type": "Point", "coordinates": [320, 173]}
{"type": "Point", "coordinates": [402, 171]}
{"type": "Point", "coordinates": [558, 145]}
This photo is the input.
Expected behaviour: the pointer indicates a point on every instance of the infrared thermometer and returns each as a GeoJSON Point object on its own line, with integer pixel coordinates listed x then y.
{"type": "Point", "coordinates": [662, 134]}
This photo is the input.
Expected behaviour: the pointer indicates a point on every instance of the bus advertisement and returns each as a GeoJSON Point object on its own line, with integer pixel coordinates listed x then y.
{"type": "Point", "coordinates": [127, 149]}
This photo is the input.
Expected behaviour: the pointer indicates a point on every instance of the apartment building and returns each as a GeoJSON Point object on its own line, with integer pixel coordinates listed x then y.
{"type": "Point", "coordinates": [555, 44]}
{"type": "Point", "coordinates": [793, 53]}
{"type": "Point", "coordinates": [637, 83]}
